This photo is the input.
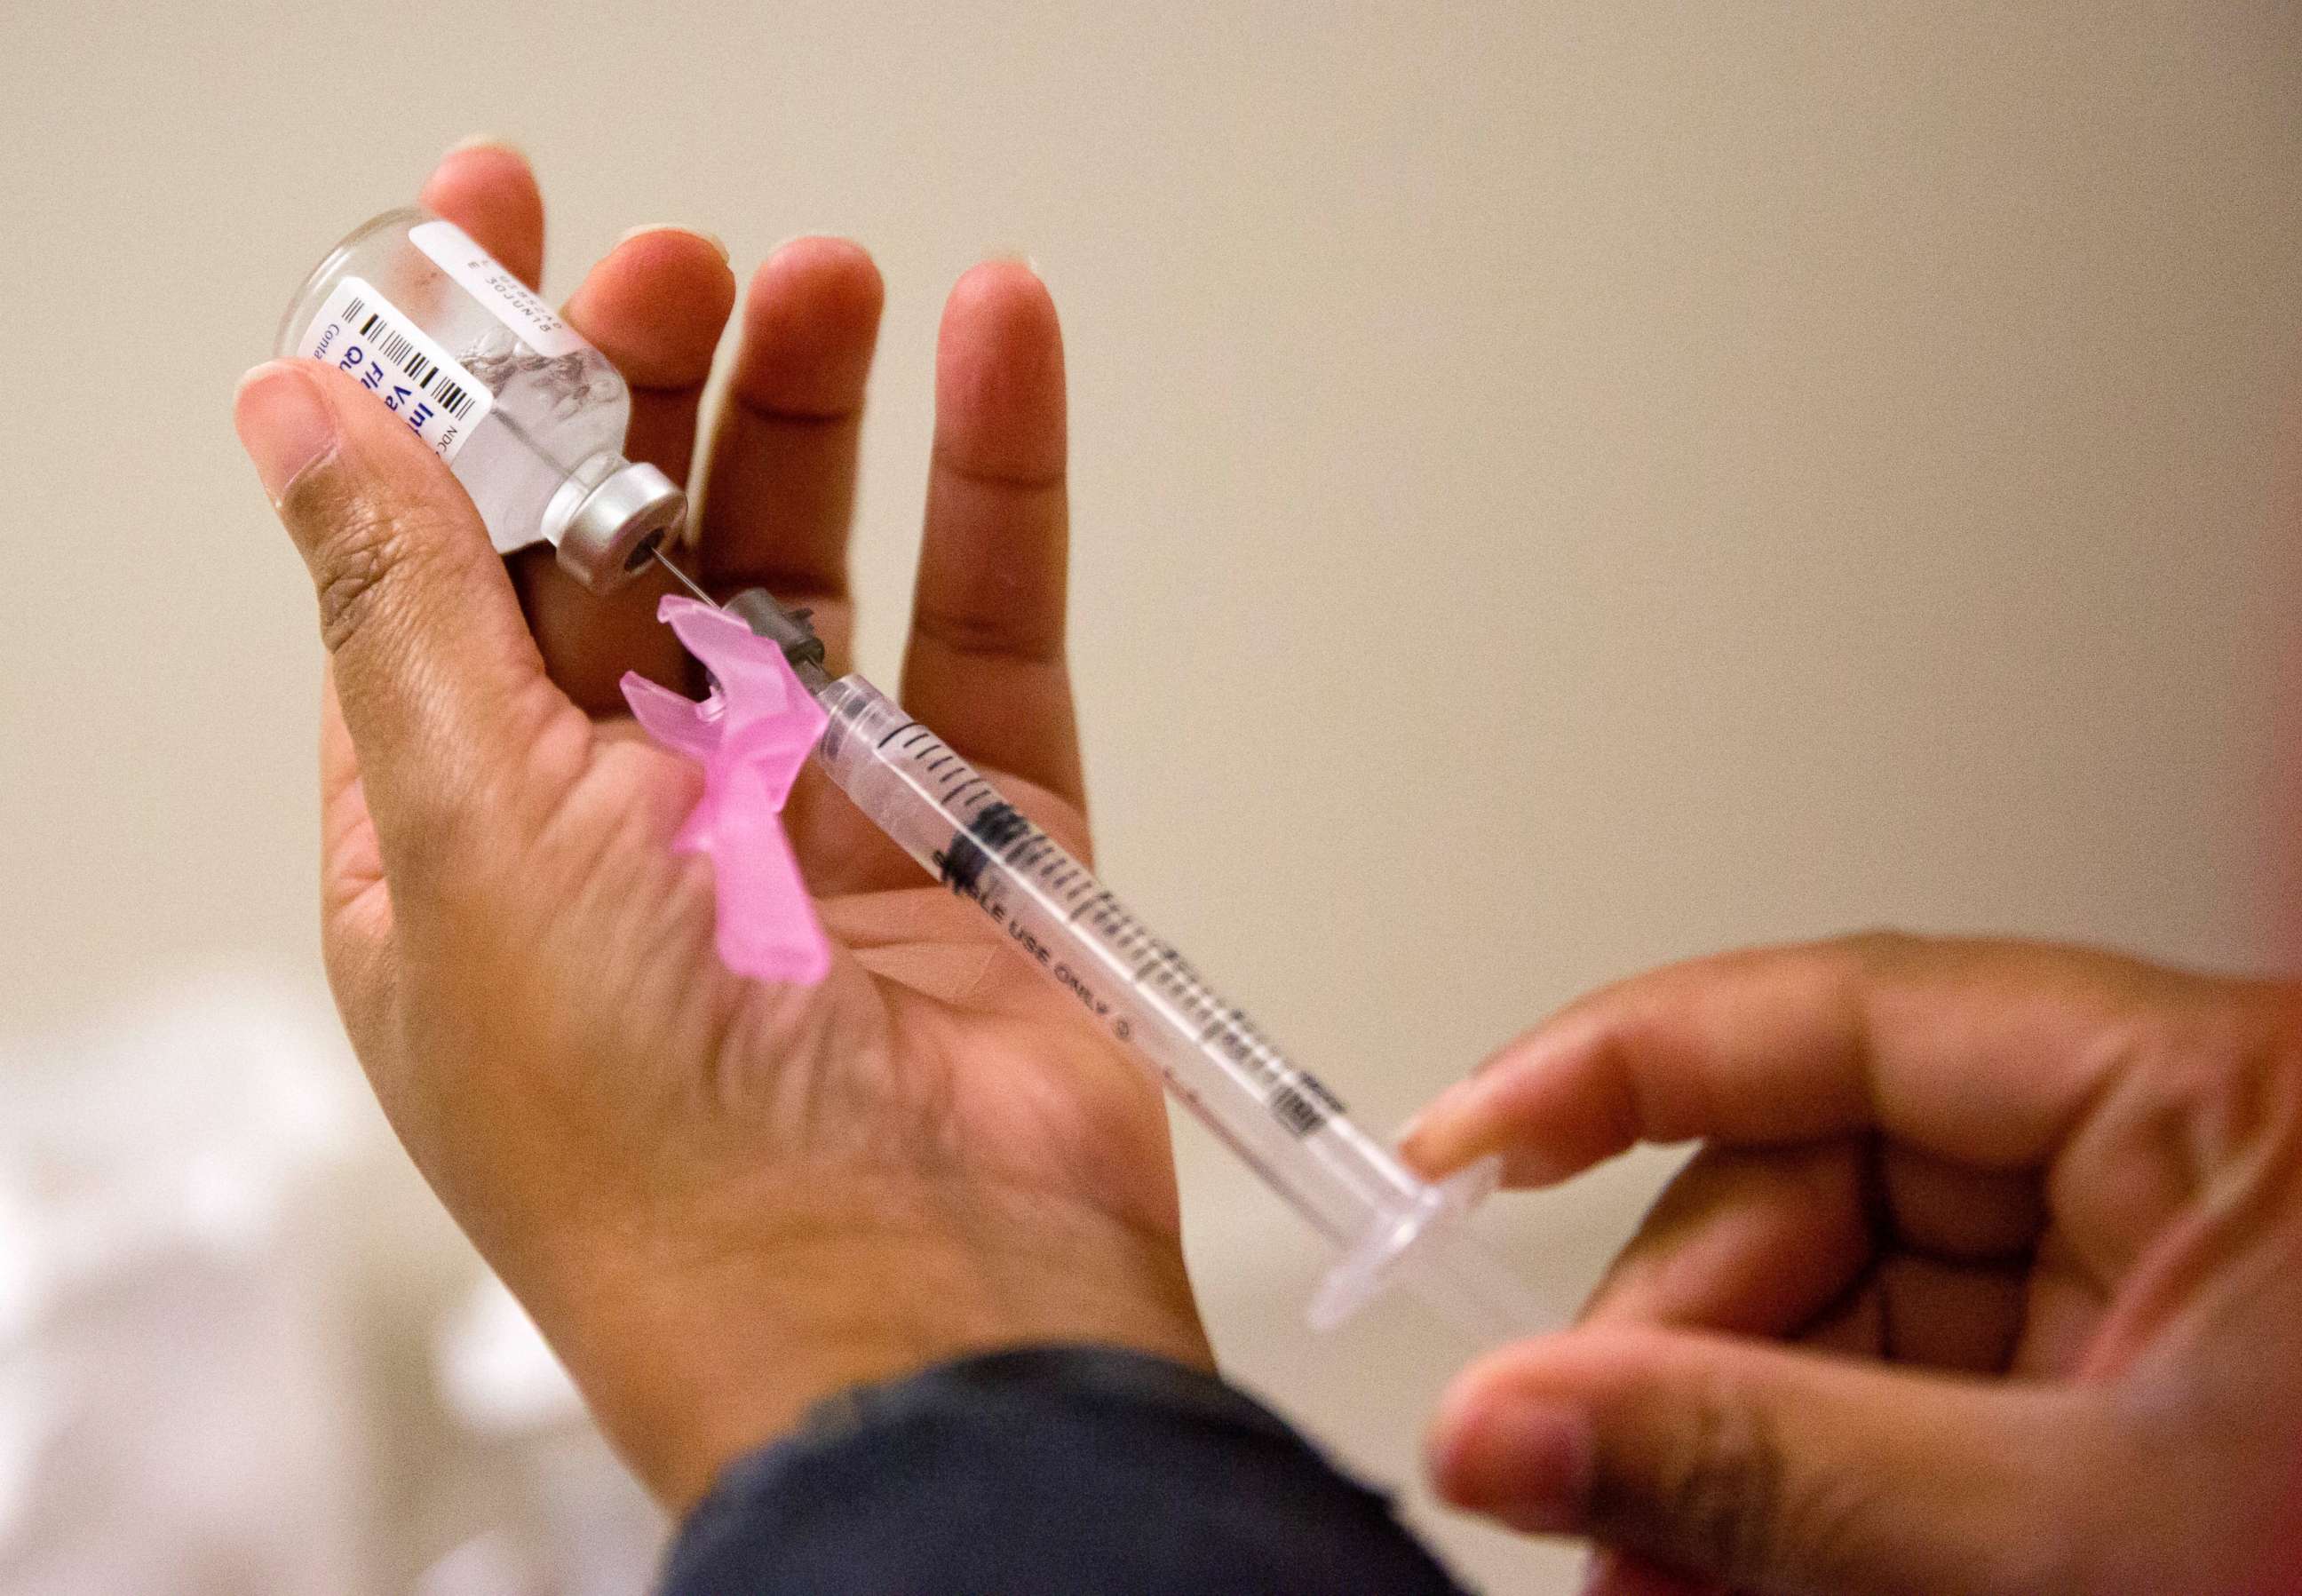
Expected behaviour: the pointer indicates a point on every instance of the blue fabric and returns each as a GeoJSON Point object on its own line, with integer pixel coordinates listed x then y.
{"type": "Point", "coordinates": [1054, 1469]}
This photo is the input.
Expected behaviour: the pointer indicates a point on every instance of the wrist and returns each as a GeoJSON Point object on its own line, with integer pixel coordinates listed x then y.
{"type": "Point", "coordinates": [695, 1348]}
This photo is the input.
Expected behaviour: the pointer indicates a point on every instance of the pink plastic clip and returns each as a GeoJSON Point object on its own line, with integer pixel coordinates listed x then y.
{"type": "Point", "coordinates": [750, 735]}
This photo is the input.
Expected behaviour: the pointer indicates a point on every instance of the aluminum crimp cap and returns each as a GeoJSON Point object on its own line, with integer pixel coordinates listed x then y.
{"type": "Point", "coordinates": [618, 525]}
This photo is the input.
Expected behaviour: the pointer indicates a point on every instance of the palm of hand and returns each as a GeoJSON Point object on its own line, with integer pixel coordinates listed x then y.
{"type": "Point", "coordinates": [927, 1047]}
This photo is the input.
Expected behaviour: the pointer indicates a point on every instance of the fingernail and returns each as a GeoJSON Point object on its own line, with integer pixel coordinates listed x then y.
{"type": "Point", "coordinates": [1524, 1461]}
{"type": "Point", "coordinates": [283, 423]}
{"type": "Point", "coordinates": [484, 141]}
{"type": "Point", "coordinates": [810, 236]}
{"type": "Point", "coordinates": [1016, 257]}
{"type": "Point", "coordinates": [1433, 1113]}
{"type": "Point", "coordinates": [712, 238]}
{"type": "Point", "coordinates": [1410, 1142]}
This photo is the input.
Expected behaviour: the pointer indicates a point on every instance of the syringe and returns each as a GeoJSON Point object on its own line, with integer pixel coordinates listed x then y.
{"type": "Point", "coordinates": [1387, 1224]}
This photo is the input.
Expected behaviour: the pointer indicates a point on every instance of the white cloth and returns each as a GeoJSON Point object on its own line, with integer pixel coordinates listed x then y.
{"type": "Point", "coordinates": [241, 1348]}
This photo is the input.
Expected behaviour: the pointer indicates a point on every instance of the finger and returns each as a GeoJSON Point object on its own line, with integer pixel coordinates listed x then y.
{"type": "Point", "coordinates": [1854, 1326]}
{"type": "Point", "coordinates": [456, 726]}
{"type": "Point", "coordinates": [986, 666]}
{"type": "Point", "coordinates": [1962, 1317]}
{"type": "Point", "coordinates": [778, 498]}
{"type": "Point", "coordinates": [655, 306]}
{"type": "Point", "coordinates": [1758, 1244]}
{"type": "Point", "coordinates": [1959, 1213]}
{"type": "Point", "coordinates": [1979, 1051]}
{"type": "Point", "coordinates": [1787, 1244]}
{"type": "Point", "coordinates": [487, 187]}
{"type": "Point", "coordinates": [1923, 1313]}
{"type": "Point", "coordinates": [1779, 1470]}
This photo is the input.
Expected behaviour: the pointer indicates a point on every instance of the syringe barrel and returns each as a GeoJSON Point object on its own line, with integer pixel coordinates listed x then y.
{"type": "Point", "coordinates": [1126, 981]}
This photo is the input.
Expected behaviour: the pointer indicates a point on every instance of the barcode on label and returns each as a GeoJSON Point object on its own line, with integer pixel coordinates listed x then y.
{"type": "Point", "coordinates": [367, 336]}
{"type": "Point", "coordinates": [421, 369]}
{"type": "Point", "coordinates": [1297, 1111]}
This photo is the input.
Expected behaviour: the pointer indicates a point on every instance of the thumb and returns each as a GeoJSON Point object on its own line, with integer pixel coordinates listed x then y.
{"type": "Point", "coordinates": [441, 687]}
{"type": "Point", "coordinates": [1769, 1469]}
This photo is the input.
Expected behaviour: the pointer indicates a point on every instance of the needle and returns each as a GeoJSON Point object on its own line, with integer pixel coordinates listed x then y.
{"type": "Point", "coordinates": [685, 580]}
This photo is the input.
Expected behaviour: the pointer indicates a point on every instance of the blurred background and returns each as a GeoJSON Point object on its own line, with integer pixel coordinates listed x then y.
{"type": "Point", "coordinates": [1558, 487]}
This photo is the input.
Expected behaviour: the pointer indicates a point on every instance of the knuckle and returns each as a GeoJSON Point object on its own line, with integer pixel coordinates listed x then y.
{"type": "Point", "coordinates": [354, 546]}
{"type": "Point", "coordinates": [1719, 1487]}
{"type": "Point", "coordinates": [979, 634]}
{"type": "Point", "coordinates": [1720, 1495]}
{"type": "Point", "coordinates": [347, 592]}
{"type": "Point", "coordinates": [1723, 1496]}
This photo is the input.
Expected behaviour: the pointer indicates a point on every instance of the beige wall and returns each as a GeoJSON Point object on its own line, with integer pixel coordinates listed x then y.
{"type": "Point", "coordinates": [1559, 487]}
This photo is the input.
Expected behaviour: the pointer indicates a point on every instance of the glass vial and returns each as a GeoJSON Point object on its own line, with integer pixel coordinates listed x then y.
{"type": "Point", "coordinates": [528, 415]}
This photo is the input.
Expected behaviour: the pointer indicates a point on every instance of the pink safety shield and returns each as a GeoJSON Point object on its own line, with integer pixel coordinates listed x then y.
{"type": "Point", "coordinates": [750, 735]}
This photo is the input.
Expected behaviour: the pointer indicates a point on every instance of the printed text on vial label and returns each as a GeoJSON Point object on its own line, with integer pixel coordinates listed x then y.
{"type": "Point", "coordinates": [490, 282]}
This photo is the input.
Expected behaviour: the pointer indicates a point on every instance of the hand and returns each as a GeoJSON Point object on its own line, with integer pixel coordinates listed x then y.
{"type": "Point", "coordinates": [720, 1200]}
{"type": "Point", "coordinates": [2027, 1221]}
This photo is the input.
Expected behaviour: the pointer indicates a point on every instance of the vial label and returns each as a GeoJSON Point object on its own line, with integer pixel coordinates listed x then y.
{"type": "Point", "coordinates": [361, 332]}
{"type": "Point", "coordinates": [532, 321]}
